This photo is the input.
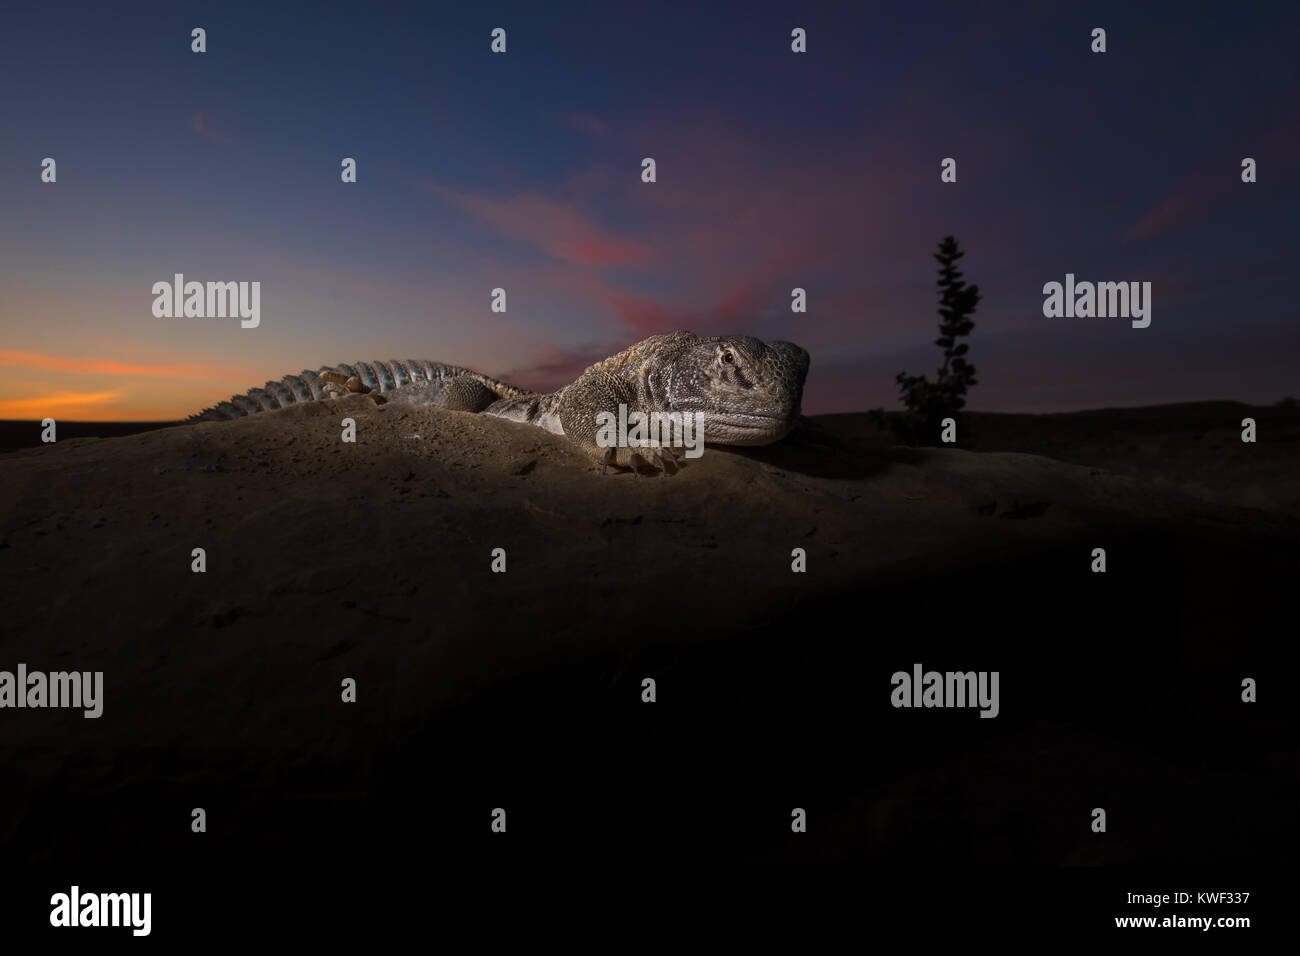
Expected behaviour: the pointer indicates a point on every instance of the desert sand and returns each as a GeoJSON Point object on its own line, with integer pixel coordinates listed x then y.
{"type": "Point", "coordinates": [372, 561]}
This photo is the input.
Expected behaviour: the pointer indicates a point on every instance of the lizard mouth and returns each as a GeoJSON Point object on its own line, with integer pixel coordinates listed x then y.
{"type": "Point", "coordinates": [752, 419]}
{"type": "Point", "coordinates": [747, 429]}
{"type": "Point", "coordinates": [758, 422]}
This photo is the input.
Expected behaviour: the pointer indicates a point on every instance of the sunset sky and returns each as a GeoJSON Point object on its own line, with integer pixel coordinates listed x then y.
{"type": "Point", "coordinates": [522, 171]}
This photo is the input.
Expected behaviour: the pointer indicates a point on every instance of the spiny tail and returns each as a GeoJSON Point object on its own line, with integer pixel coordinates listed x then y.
{"type": "Point", "coordinates": [377, 376]}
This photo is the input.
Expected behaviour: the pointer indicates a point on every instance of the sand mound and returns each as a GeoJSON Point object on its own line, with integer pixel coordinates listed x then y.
{"type": "Point", "coordinates": [373, 560]}
{"type": "Point", "coordinates": [395, 533]}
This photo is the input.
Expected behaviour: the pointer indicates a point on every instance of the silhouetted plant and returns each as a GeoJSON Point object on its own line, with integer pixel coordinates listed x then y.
{"type": "Point", "coordinates": [929, 403]}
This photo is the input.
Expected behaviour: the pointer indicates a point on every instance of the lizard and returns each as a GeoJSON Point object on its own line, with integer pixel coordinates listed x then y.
{"type": "Point", "coordinates": [743, 390]}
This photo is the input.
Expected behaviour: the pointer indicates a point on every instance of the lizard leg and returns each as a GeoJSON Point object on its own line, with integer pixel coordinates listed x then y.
{"type": "Point", "coordinates": [461, 393]}
{"type": "Point", "coordinates": [582, 411]}
{"type": "Point", "coordinates": [336, 384]}
{"type": "Point", "coordinates": [659, 458]}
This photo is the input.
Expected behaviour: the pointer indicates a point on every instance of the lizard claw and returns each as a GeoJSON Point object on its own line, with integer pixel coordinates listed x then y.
{"type": "Point", "coordinates": [666, 460]}
{"type": "Point", "coordinates": [659, 458]}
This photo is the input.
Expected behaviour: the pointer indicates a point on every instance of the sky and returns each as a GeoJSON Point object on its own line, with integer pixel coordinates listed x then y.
{"type": "Point", "coordinates": [522, 171]}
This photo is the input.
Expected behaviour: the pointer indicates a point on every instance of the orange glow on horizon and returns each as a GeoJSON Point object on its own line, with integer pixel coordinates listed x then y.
{"type": "Point", "coordinates": [81, 403]}
{"type": "Point", "coordinates": [33, 360]}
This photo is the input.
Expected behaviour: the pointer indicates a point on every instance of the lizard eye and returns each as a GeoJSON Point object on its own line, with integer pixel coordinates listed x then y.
{"type": "Point", "coordinates": [726, 358]}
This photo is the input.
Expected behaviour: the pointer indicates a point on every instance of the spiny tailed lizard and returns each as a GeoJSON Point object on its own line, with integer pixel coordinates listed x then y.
{"type": "Point", "coordinates": [745, 391]}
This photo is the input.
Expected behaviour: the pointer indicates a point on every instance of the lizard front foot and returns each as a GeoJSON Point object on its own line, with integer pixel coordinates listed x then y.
{"type": "Point", "coordinates": [657, 458]}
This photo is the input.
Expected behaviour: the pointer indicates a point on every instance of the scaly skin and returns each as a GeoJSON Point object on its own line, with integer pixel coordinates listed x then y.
{"type": "Point", "coordinates": [748, 393]}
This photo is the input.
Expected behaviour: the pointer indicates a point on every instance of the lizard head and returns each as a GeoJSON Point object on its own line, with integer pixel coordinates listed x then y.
{"type": "Point", "coordinates": [748, 391]}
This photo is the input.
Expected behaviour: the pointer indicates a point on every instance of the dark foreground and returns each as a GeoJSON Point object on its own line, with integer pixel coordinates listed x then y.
{"type": "Point", "coordinates": [522, 690]}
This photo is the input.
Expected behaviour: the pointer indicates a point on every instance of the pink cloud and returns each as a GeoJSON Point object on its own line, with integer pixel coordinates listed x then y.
{"type": "Point", "coordinates": [198, 123]}
{"type": "Point", "coordinates": [583, 123]}
{"type": "Point", "coordinates": [556, 227]}
{"type": "Point", "coordinates": [728, 303]}
{"type": "Point", "coordinates": [730, 227]}
{"type": "Point", "coordinates": [645, 316]}
{"type": "Point", "coordinates": [558, 367]}
{"type": "Point", "coordinates": [1191, 199]}
{"type": "Point", "coordinates": [1216, 175]}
